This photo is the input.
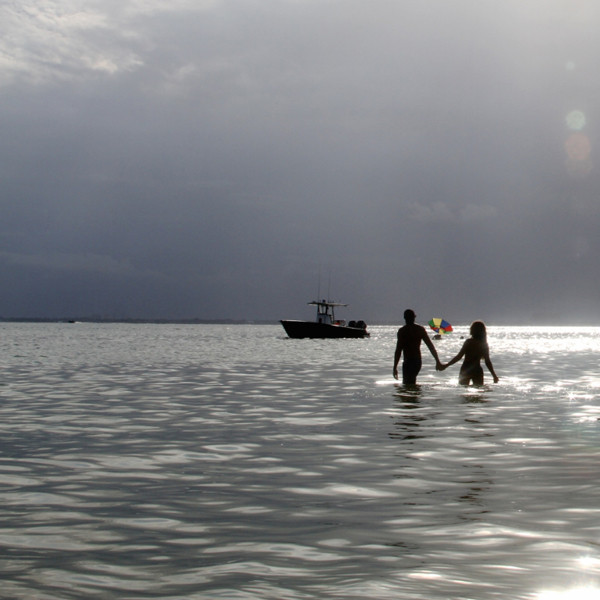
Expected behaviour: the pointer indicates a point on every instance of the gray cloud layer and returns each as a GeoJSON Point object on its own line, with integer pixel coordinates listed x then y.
{"type": "Point", "coordinates": [209, 159]}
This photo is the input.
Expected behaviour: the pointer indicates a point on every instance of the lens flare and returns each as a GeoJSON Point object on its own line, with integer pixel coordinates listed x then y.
{"type": "Point", "coordinates": [579, 150]}
{"type": "Point", "coordinates": [579, 168]}
{"type": "Point", "coordinates": [576, 120]}
{"type": "Point", "coordinates": [578, 147]}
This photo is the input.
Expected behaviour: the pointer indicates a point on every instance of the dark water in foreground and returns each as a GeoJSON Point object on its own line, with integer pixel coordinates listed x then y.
{"type": "Point", "coordinates": [163, 461]}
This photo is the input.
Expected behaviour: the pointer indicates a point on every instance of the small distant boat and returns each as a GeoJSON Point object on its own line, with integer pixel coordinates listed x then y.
{"type": "Point", "coordinates": [326, 326]}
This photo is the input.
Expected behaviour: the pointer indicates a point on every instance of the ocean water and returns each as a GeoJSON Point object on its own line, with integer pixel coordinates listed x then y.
{"type": "Point", "coordinates": [230, 462]}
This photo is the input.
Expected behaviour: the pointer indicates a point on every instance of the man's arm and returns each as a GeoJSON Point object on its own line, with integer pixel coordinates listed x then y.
{"type": "Point", "coordinates": [397, 354]}
{"type": "Point", "coordinates": [429, 344]}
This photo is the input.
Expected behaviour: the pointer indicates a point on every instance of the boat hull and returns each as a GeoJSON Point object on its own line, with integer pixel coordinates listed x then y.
{"type": "Point", "coordinates": [311, 329]}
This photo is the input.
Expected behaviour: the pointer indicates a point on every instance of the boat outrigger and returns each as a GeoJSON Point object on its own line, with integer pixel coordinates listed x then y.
{"type": "Point", "coordinates": [326, 325]}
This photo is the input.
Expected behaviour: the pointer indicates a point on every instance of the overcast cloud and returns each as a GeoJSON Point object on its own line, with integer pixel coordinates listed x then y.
{"type": "Point", "coordinates": [217, 159]}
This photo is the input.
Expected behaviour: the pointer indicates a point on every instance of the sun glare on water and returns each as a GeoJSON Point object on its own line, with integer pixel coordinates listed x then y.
{"type": "Point", "coordinates": [588, 592]}
{"type": "Point", "coordinates": [585, 593]}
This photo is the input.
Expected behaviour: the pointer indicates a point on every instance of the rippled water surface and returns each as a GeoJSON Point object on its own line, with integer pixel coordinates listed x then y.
{"type": "Point", "coordinates": [213, 461]}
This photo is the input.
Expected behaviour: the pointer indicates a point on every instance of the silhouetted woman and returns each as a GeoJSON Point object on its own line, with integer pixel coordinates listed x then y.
{"type": "Point", "coordinates": [474, 349]}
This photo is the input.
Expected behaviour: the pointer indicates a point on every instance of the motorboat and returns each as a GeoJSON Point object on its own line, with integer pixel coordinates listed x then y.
{"type": "Point", "coordinates": [326, 325]}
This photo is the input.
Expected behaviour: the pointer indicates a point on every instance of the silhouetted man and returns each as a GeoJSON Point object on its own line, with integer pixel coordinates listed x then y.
{"type": "Point", "coordinates": [409, 343]}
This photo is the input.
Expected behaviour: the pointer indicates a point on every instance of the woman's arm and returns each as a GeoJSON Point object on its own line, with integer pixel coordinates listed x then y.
{"type": "Point", "coordinates": [456, 358]}
{"type": "Point", "coordinates": [488, 364]}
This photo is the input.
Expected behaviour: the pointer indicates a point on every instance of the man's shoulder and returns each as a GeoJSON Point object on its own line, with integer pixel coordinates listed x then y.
{"type": "Point", "coordinates": [412, 329]}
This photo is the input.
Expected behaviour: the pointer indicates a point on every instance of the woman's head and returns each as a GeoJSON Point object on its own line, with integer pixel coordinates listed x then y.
{"type": "Point", "coordinates": [478, 331]}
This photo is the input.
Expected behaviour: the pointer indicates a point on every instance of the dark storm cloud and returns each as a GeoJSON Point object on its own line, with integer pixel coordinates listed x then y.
{"type": "Point", "coordinates": [210, 159]}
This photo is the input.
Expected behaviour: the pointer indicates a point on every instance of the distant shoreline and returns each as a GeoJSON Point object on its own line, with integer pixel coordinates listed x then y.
{"type": "Point", "coordinates": [107, 320]}
{"type": "Point", "coordinates": [141, 321]}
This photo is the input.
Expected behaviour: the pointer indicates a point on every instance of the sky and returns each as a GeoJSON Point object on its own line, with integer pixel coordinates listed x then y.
{"type": "Point", "coordinates": [235, 159]}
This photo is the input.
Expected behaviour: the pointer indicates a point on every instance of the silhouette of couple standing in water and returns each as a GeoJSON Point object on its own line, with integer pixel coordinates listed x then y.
{"type": "Point", "coordinates": [474, 350]}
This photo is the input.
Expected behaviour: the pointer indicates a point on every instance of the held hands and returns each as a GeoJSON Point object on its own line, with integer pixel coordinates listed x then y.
{"type": "Point", "coordinates": [440, 366]}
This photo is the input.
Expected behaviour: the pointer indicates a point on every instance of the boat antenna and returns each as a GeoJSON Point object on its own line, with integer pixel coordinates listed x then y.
{"type": "Point", "coordinates": [319, 288]}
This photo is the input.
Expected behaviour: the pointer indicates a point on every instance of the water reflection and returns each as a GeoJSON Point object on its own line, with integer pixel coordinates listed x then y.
{"type": "Point", "coordinates": [407, 397]}
{"type": "Point", "coordinates": [479, 484]}
{"type": "Point", "coordinates": [447, 444]}
{"type": "Point", "coordinates": [408, 393]}
{"type": "Point", "coordinates": [474, 396]}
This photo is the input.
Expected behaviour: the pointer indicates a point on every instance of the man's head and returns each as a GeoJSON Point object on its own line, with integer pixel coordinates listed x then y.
{"type": "Point", "coordinates": [409, 316]}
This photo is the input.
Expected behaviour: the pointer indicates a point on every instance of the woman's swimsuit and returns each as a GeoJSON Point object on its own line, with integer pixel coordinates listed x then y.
{"type": "Point", "coordinates": [468, 372]}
